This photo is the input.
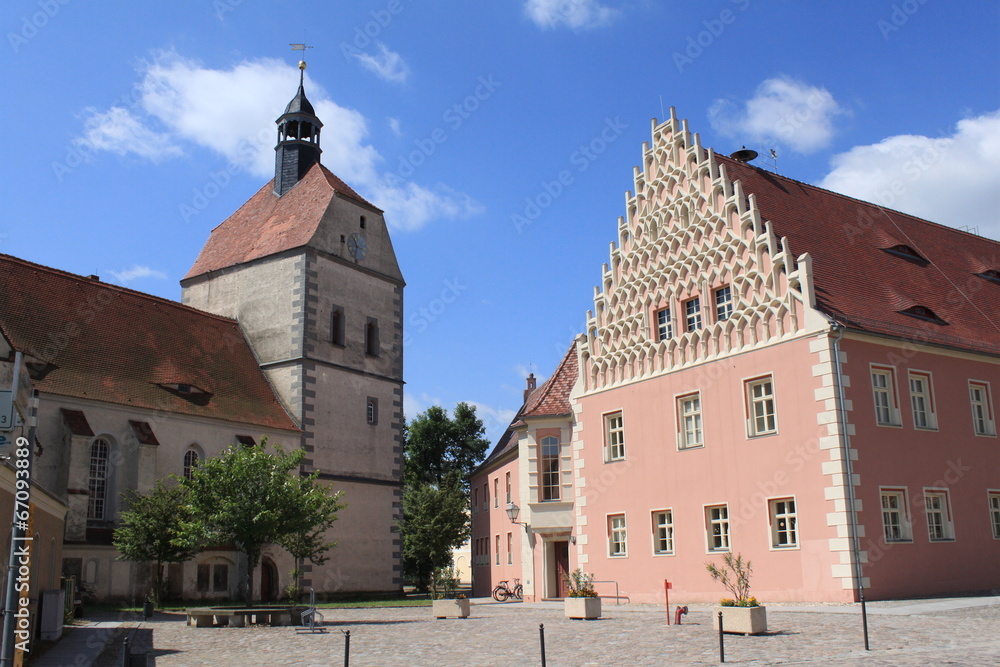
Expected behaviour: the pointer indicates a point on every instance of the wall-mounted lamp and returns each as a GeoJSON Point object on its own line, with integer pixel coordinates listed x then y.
{"type": "Point", "coordinates": [572, 539]}
{"type": "Point", "coordinates": [512, 513]}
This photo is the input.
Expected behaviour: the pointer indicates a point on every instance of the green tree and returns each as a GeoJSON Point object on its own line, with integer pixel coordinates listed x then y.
{"type": "Point", "coordinates": [440, 454]}
{"type": "Point", "coordinates": [250, 498]}
{"type": "Point", "coordinates": [150, 529]}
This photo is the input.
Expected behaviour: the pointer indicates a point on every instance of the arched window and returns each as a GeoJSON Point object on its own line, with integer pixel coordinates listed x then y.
{"type": "Point", "coordinates": [191, 458]}
{"type": "Point", "coordinates": [100, 450]}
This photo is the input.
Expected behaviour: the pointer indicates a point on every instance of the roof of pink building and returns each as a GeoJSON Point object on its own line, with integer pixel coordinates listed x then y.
{"type": "Point", "coordinates": [268, 224]}
{"type": "Point", "coordinates": [106, 343]}
{"type": "Point", "coordinates": [864, 273]}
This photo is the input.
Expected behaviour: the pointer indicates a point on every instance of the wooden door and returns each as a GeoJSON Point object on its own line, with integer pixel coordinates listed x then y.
{"type": "Point", "coordinates": [561, 552]}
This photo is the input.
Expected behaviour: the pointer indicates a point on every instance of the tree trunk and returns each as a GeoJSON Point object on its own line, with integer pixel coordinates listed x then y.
{"type": "Point", "coordinates": [252, 561]}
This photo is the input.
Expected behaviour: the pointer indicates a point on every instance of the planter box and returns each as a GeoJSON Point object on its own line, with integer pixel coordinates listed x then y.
{"type": "Point", "coordinates": [741, 620]}
{"type": "Point", "coordinates": [450, 608]}
{"type": "Point", "coordinates": [585, 608]}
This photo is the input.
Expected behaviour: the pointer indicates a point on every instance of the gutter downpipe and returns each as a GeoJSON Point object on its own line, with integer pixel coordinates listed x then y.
{"type": "Point", "coordinates": [845, 445]}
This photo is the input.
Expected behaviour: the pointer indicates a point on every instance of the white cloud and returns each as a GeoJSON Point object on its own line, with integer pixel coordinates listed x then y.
{"type": "Point", "coordinates": [782, 111]}
{"type": "Point", "coordinates": [953, 179]}
{"type": "Point", "coordinates": [394, 126]}
{"type": "Point", "coordinates": [232, 112]}
{"type": "Point", "coordinates": [387, 65]}
{"type": "Point", "coordinates": [495, 420]}
{"type": "Point", "coordinates": [523, 370]}
{"type": "Point", "coordinates": [136, 271]}
{"type": "Point", "coordinates": [118, 130]}
{"type": "Point", "coordinates": [575, 14]}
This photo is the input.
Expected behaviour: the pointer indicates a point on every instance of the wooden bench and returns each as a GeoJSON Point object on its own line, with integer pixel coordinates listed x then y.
{"type": "Point", "coordinates": [207, 617]}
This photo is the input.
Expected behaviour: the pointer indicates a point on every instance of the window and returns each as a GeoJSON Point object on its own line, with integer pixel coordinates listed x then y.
{"type": "Point", "coordinates": [895, 523]}
{"type": "Point", "coordinates": [98, 485]}
{"type": "Point", "coordinates": [922, 401]}
{"type": "Point", "coordinates": [884, 390]}
{"type": "Point", "coordinates": [510, 549]}
{"type": "Point", "coordinates": [508, 487]}
{"type": "Point", "coordinates": [475, 501]}
{"type": "Point", "coordinates": [496, 493]}
{"type": "Point", "coordinates": [190, 461]}
{"type": "Point", "coordinates": [723, 303]}
{"type": "Point", "coordinates": [663, 532]}
{"type": "Point", "coordinates": [664, 326]}
{"type": "Point", "coordinates": [371, 411]}
{"type": "Point", "coordinates": [717, 523]}
{"type": "Point", "coordinates": [982, 409]}
{"type": "Point", "coordinates": [614, 437]}
{"type": "Point", "coordinates": [763, 420]}
{"type": "Point", "coordinates": [497, 550]}
{"type": "Point", "coordinates": [549, 468]}
{"type": "Point", "coordinates": [689, 415]}
{"type": "Point", "coordinates": [692, 314]}
{"type": "Point", "coordinates": [371, 338]}
{"type": "Point", "coordinates": [994, 498]}
{"type": "Point", "coordinates": [362, 222]}
{"type": "Point", "coordinates": [337, 326]}
{"type": "Point", "coordinates": [939, 526]}
{"type": "Point", "coordinates": [486, 497]}
{"type": "Point", "coordinates": [784, 524]}
{"type": "Point", "coordinates": [616, 535]}
{"type": "Point", "coordinates": [486, 551]}
{"type": "Point", "coordinates": [213, 577]}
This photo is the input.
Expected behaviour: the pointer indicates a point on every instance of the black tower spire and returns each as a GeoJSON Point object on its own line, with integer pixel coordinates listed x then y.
{"type": "Point", "coordinates": [298, 140]}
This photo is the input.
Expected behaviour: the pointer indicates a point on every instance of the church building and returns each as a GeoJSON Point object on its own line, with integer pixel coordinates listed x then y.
{"type": "Point", "coordinates": [770, 369]}
{"type": "Point", "coordinates": [290, 327]}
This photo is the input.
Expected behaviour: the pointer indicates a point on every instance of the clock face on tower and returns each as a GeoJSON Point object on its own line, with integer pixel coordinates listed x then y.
{"type": "Point", "coordinates": [357, 246]}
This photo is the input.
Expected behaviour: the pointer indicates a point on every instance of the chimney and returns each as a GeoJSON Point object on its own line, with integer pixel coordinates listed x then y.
{"type": "Point", "coordinates": [530, 386]}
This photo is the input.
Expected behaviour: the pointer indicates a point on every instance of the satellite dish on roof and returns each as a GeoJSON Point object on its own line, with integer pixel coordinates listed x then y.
{"type": "Point", "coordinates": [744, 155]}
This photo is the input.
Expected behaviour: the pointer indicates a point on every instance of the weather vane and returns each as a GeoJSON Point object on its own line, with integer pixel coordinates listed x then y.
{"type": "Point", "coordinates": [302, 63]}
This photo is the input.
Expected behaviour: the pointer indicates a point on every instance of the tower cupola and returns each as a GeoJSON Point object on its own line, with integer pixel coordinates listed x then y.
{"type": "Point", "coordinates": [298, 140]}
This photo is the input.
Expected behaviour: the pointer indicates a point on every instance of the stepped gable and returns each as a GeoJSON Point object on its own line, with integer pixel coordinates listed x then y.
{"type": "Point", "coordinates": [860, 284]}
{"type": "Point", "coordinates": [100, 342]}
{"type": "Point", "coordinates": [269, 224]}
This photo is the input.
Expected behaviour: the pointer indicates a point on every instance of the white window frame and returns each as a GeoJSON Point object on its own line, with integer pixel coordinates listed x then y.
{"type": "Point", "coordinates": [902, 509]}
{"type": "Point", "coordinates": [937, 514]}
{"type": "Point", "coordinates": [723, 308]}
{"type": "Point", "coordinates": [486, 496]}
{"type": "Point", "coordinates": [614, 437]}
{"type": "Point", "coordinates": [497, 558]}
{"type": "Point", "coordinates": [509, 488]}
{"type": "Point", "coordinates": [983, 423]}
{"type": "Point", "coordinates": [725, 528]}
{"type": "Point", "coordinates": [510, 548]}
{"type": "Point", "coordinates": [778, 509]}
{"type": "Point", "coordinates": [496, 492]}
{"type": "Point", "coordinates": [663, 520]}
{"type": "Point", "coordinates": [544, 473]}
{"type": "Point", "coordinates": [191, 458]}
{"type": "Point", "coordinates": [752, 402]}
{"type": "Point", "coordinates": [664, 323]}
{"type": "Point", "coordinates": [993, 505]}
{"type": "Point", "coordinates": [616, 532]}
{"type": "Point", "coordinates": [99, 479]}
{"type": "Point", "coordinates": [922, 402]}
{"type": "Point", "coordinates": [692, 316]}
{"type": "Point", "coordinates": [693, 437]}
{"type": "Point", "coordinates": [888, 414]}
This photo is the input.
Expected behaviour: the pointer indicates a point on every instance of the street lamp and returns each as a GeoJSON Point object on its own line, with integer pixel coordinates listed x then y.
{"type": "Point", "coordinates": [512, 512]}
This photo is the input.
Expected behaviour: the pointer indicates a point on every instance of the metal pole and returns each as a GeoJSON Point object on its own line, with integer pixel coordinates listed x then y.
{"type": "Point", "coordinates": [541, 639]}
{"type": "Point", "coordinates": [126, 653]}
{"type": "Point", "coordinates": [722, 642]}
{"type": "Point", "coordinates": [347, 648]}
{"type": "Point", "coordinates": [666, 596]}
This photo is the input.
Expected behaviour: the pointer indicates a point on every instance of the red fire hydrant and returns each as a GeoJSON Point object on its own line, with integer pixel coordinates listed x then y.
{"type": "Point", "coordinates": [677, 614]}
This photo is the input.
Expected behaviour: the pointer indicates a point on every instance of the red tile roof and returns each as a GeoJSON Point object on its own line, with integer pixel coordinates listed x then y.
{"type": "Point", "coordinates": [115, 345]}
{"type": "Point", "coordinates": [268, 224]}
{"type": "Point", "coordinates": [862, 286]}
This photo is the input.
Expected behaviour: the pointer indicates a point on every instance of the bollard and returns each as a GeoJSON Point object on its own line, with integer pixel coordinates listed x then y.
{"type": "Point", "coordinates": [126, 652]}
{"type": "Point", "coordinates": [541, 639]}
{"type": "Point", "coordinates": [347, 648]}
{"type": "Point", "coordinates": [722, 643]}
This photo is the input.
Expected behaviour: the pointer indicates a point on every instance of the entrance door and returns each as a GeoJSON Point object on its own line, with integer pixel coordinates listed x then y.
{"type": "Point", "coordinates": [561, 552]}
{"type": "Point", "coordinates": [268, 580]}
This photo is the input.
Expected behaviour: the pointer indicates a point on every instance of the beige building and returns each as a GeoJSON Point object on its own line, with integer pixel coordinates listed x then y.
{"type": "Point", "coordinates": [290, 328]}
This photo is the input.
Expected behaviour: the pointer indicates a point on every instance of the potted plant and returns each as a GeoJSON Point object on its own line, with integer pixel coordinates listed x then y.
{"type": "Point", "coordinates": [741, 614]}
{"type": "Point", "coordinates": [582, 602]}
{"type": "Point", "coordinates": [148, 606]}
{"type": "Point", "coordinates": [448, 604]}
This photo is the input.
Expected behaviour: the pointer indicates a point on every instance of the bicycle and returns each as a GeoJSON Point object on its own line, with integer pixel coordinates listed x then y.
{"type": "Point", "coordinates": [503, 591]}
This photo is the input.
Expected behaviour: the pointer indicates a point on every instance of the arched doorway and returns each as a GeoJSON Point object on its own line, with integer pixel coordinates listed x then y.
{"type": "Point", "coordinates": [268, 580]}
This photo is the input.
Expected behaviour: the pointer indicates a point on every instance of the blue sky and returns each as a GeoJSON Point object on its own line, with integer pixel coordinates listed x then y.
{"type": "Point", "coordinates": [499, 137]}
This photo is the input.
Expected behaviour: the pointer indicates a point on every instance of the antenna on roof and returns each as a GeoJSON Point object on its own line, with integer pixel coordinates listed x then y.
{"type": "Point", "coordinates": [772, 156]}
{"type": "Point", "coordinates": [744, 155]}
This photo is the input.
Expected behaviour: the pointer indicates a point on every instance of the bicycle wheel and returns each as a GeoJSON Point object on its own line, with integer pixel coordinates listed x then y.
{"type": "Point", "coordinates": [500, 594]}
{"type": "Point", "coordinates": [518, 592]}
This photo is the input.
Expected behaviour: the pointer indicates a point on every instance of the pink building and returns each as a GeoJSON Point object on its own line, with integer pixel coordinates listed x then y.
{"type": "Point", "coordinates": [770, 369]}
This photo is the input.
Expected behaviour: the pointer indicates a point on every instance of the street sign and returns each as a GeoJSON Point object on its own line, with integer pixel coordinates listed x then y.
{"type": "Point", "coordinates": [7, 420]}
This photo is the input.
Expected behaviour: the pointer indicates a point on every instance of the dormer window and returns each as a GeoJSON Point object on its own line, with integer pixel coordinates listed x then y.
{"type": "Point", "coordinates": [905, 252]}
{"type": "Point", "coordinates": [923, 313]}
{"type": "Point", "coordinates": [191, 392]}
{"type": "Point", "coordinates": [991, 275]}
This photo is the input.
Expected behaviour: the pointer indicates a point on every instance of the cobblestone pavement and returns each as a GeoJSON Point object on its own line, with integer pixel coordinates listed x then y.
{"type": "Point", "coordinates": [499, 635]}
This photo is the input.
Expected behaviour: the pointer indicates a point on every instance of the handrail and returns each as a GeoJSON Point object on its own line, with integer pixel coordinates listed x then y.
{"type": "Point", "coordinates": [616, 596]}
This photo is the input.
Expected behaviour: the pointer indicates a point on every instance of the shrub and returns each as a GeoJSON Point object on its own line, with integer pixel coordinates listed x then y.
{"type": "Point", "coordinates": [735, 576]}
{"type": "Point", "coordinates": [581, 584]}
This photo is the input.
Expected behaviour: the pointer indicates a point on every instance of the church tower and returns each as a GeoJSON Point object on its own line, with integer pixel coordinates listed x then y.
{"type": "Point", "coordinates": [308, 268]}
